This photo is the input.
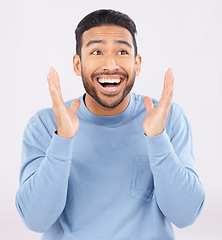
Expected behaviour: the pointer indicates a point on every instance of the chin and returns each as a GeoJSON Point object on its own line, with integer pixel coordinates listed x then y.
{"type": "Point", "coordinates": [108, 101]}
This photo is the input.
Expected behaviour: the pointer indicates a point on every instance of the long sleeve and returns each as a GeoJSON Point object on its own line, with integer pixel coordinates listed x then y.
{"type": "Point", "coordinates": [44, 175]}
{"type": "Point", "coordinates": [178, 190]}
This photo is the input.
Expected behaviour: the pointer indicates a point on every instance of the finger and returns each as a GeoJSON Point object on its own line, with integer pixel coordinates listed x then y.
{"type": "Point", "coordinates": [169, 78]}
{"type": "Point", "coordinates": [168, 88]}
{"type": "Point", "coordinates": [148, 104]}
{"type": "Point", "coordinates": [50, 80]}
{"type": "Point", "coordinates": [75, 105]}
{"type": "Point", "coordinates": [56, 99]}
{"type": "Point", "coordinates": [55, 81]}
{"type": "Point", "coordinates": [55, 77]}
{"type": "Point", "coordinates": [166, 98]}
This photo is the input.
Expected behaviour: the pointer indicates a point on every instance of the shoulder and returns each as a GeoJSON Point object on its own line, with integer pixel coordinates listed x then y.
{"type": "Point", "coordinates": [176, 112]}
{"type": "Point", "coordinates": [46, 115]}
{"type": "Point", "coordinates": [138, 98]}
{"type": "Point", "coordinates": [177, 121]}
{"type": "Point", "coordinates": [139, 104]}
{"type": "Point", "coordinates": [41, 125]}
{"type": "Point", "coordinates": [42, 116]}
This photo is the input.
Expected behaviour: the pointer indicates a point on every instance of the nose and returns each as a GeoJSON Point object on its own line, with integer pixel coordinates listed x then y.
{"type": "Point", "coordinates": [110, 64]}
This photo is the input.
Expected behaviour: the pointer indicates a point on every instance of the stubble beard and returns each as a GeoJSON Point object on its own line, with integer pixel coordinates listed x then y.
{"type": "Point", "coordinates": [107, 101]}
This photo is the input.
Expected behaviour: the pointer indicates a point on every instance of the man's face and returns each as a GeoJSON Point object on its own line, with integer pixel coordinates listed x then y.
{"type": "Point", "coordinates": [108, 64]}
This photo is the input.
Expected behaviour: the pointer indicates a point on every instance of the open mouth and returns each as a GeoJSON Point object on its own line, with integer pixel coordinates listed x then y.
{"type": "Point", "coordinates": [109, 83]}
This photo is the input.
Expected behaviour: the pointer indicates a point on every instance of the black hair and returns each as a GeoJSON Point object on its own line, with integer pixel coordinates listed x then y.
{"type": "Point", "coordinates": [104, 17]}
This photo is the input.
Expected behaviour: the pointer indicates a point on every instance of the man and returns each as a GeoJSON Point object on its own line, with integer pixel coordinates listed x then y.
{"type": "Point", "coordinates": [111, 165]}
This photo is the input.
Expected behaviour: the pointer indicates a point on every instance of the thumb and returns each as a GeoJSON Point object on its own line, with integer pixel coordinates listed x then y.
{"type": "Point", "coordinates": [75, 105]}
{"type": "Point", "coordinates": [148, 104]}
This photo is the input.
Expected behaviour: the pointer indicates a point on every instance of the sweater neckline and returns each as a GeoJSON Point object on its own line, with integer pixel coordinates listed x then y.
{"type": "Point", "coordinates": [108, 121]}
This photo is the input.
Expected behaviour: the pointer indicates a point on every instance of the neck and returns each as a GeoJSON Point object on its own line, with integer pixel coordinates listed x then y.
{"type": "Point", "coordinates": [94, 107]}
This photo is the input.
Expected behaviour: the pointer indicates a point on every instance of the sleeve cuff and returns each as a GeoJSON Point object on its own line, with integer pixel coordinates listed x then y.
{"type": "Point", "coordinates": [61, 148]}
{"type": "Point", "coordinates": [159, 144]}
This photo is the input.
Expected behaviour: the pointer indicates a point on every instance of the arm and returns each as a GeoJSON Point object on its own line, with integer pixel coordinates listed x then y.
{"type": "Point", "coordinates": [178, 191]}
{"type": "Point", "coordinates": [44, 176]}
{"type": "Point", "coordinates": [46, 162]}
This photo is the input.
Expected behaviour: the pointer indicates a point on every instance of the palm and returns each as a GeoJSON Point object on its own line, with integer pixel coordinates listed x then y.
{"type": "Point", "coordinates": [155, 119]}
{"type": "Point", "coordinates": [74, 120]}
{"type": "Point", "coordinates": [66, 119]}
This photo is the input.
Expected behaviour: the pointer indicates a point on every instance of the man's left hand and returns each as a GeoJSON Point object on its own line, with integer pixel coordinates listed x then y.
{"type": "Point", "coordinates": [155, 119]}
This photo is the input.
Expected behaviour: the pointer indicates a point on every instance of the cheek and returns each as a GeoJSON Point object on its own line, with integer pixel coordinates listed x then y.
{"type": "Point", "coordinates": [90, 66]}
{"type": "Point", "coordinates": [129, 68]}
{"type": "Point", "coordinates": [127, 63]}
{"type": "Point", "coordinates": [86, 69]}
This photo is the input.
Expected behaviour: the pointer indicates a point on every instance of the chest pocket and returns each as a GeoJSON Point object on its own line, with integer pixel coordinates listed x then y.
{"type": "Point", "coordinates": [142, 179]}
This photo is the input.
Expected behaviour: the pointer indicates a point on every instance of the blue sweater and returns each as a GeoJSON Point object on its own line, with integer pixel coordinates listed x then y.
{"type": "Point", "coordinates": [109, 182]}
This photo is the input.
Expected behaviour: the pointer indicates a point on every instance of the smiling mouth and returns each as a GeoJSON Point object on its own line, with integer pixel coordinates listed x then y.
{"type": "Point", "coordinates": [109, 83]}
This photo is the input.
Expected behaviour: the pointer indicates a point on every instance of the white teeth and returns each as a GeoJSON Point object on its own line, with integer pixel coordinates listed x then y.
{"type": "Point", "coordinates": [110, 87]}
{"type": "Point", "coordinates": [108, 80]}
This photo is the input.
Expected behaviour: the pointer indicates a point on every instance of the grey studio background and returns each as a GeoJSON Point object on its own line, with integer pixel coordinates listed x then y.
{"type": "Point", "coordinates": [184, 35]}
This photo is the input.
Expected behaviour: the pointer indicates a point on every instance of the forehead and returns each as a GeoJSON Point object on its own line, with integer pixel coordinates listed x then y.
{"type": "Point", "coordinates": [107, 32]}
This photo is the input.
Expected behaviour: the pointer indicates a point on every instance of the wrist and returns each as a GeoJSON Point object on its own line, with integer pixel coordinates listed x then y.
{"type": "Point", "coordinates": [64, 135]}
{"type": "Point", "coordinates": [153, 134]}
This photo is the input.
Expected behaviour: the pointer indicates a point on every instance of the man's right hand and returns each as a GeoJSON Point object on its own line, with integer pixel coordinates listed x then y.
{"type": "Point", "coordinates": [66, 119]}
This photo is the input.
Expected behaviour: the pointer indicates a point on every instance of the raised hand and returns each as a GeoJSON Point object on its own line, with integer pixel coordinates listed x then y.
{"type": "Point", "coordinates": [155, 119]}
{"type": "Point", "coordinates": [66, 119]}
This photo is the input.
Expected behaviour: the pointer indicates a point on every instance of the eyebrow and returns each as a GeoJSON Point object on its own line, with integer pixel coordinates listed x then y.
{"type": "Point", "coordinates": [91, 42]}
{"type": "Point", "coordinates": [124, 42]}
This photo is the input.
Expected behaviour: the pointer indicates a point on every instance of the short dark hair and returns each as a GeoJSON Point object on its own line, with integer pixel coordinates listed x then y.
{"type": "Point", "coordinates": [104, 17]}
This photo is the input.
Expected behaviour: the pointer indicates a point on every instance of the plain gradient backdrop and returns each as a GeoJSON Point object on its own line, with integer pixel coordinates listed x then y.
{"type": "Point", "coordinates": [184, 35]}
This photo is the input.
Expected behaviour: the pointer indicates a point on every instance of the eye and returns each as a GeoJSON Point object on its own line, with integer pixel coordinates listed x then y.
{"type": "Point", "coordinates": [96, 52]}
{"type": "Point", "coordinates": [123, 52]}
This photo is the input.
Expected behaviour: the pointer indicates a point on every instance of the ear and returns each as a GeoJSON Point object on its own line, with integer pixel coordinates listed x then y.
{"type": "Point", "coordinates": [138, 64]}
{"type": "Point", "coordinates": [77, 64]}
